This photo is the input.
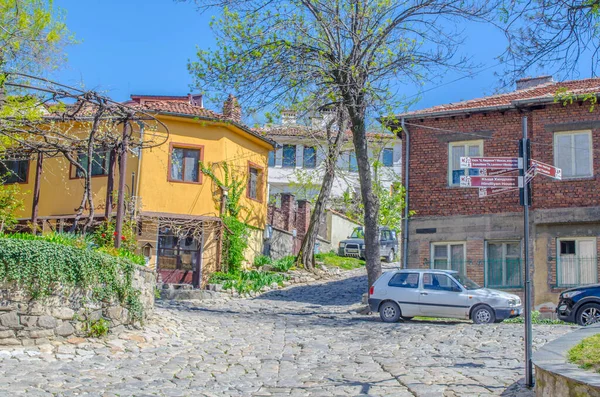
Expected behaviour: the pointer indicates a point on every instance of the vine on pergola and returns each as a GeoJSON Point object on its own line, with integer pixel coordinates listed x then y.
{"type": "Point", "coordinates": [43, 118]}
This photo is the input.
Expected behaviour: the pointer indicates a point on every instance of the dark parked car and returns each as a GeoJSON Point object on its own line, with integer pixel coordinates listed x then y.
{"type": "Point", "coordinates": [355, 244]}
{"type": "Point", "coordinates": [580, 305]}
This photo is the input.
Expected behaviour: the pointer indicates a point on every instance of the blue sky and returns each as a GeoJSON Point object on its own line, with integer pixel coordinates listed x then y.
{"type": "Point", "coordinates": [142, 47]}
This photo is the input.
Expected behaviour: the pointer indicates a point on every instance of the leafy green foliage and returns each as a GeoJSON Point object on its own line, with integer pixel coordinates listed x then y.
{"type": "Point", "coordinates": [252, 281]}
{"type": "Point", "coordinates": [104, 235]}
{"type": "Point", "coordinates": [234, 243]}
{"type": "Point", "coordinates": [40, 266]}
{"type": "Point", "coordinates": [97, 329]}
{"type": "Point", "coordinates": [10, 203]}
{"type": "Point", "coordinates": [262, 260]}
{"type": "Point", "coordinates": [331, 259]}
{"type": "Point", "coordinates": [32, 34]}
{"type": "Point", "coordinates": [535, 319]}
{"type": "Point", "coordinates": [586, 353]}
{"type": "Point", "coordinates": [284, 264]}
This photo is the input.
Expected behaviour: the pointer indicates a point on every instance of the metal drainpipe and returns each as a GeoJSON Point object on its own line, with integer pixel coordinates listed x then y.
{"type": "Point", "coordinates": [406, 202]}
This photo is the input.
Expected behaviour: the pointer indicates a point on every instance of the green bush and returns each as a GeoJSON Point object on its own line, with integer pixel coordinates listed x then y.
{"type": "Point", "coordinates": [535, 319]}
{"type": "Point", "coordinates": [262, 260]}
{"type": "Point", "coordinates": [284, 264]}
{"type": "Point", "coordinates": [235, 243]}
{"type": "Point", "coordinates": [97, 329]}
{"type": "Point", "coordinates": [40, 266]}
{"type": "Point", "coordinates": [253, 281]}
{"type": "Point", "coordinates": [219, 277]}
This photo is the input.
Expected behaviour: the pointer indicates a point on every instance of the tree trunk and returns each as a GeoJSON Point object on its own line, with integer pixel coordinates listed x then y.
{"type": "Point", "coordinates": [369, 199]}
{"type": "Point", "coordinates": [306, 255]}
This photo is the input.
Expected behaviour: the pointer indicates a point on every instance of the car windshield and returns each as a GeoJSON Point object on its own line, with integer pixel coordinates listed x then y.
{"type": "Point", "coordinates": [465, 281]}
{"type": "Point", "coordinates": [358, 233]}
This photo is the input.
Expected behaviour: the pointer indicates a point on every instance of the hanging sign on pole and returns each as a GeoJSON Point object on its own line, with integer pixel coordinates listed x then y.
{"type": "Point", "coordinates": [511, 163]}
{"type": "Point", "coordinates": [491, 181]}
{"type": "Point", "coordinates": [546, 169]}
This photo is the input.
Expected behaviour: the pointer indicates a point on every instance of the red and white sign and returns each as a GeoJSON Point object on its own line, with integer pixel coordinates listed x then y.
{"type": "Point", "coordinates": [492, 191]}
{"type": "Point", "coordinates": [491, 181]}
{"type": "Point", "coordinates": [547, 169]}
{"type": "Point", "coordinates": [492, 172]}
{"type": "Point", "coordinates": [510, 163]}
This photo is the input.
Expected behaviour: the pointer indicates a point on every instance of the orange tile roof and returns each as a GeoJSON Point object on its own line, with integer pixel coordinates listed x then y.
{"type": "Point", "coordinates": [180, 107]}
{"type": "Point", "coordinates": [540, 93]}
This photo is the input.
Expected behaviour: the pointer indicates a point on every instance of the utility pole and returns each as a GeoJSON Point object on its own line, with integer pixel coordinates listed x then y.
{"type": "Point", "coordinates": [525, 201]}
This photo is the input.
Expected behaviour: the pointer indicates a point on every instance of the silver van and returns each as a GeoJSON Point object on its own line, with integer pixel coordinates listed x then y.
{"type": "Point", "coordinates": [408, 293]}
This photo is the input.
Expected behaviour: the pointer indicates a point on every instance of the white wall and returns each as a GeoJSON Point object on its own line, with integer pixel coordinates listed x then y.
{"type": "Point", "coordinates": [339, 227]}
{"type": "Point", "coordinates": [281, 180]}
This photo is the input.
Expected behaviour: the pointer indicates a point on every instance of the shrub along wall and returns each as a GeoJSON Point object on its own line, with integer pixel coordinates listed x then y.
{"type": "Point", "coordinates": [53, 291]}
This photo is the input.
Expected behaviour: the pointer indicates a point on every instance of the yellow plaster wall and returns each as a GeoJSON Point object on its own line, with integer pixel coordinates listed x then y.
{"type": "Point", "coordinates": [220, 144]}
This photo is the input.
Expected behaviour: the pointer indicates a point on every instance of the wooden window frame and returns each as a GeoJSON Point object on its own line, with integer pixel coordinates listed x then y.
{"type": "Point", "coordinates": [260, 182]}
{"type": "Point", "coordinates": [572, 150]}
{"type": "Point", "coordinates": [178, 145]}
{"type": "Point", "coordinates": [448, 254]}
{"type": "Point", "coordinates": [73, 169]}
{"type": "Point", "coordinates": [473, 142]}
{"type": "Point", "coordinates": [26, 181]}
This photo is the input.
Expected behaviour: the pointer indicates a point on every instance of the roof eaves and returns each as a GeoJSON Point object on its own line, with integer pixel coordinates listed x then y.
{"type": "Point", "coordinates": [217, 120]}
{"type": "Point", "coordinates": [454, 112]}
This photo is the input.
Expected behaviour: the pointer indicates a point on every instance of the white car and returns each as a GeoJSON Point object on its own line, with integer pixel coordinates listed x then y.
{"type": "Point", "coordinates": [408, 293]}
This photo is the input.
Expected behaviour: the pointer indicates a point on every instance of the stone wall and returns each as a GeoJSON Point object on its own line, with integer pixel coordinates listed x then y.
{"type": "Point", "coordinates": [555, 377]}
{"type": "Point", "coordinates": [25, 321]}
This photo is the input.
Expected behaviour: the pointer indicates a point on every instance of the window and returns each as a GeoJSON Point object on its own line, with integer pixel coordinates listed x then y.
{"type": "Point", "coordinates": [254, 189]}
{"type": "Point", "coordinates": [404, 280]}
{"type": "Point", "coordinates": [577, 262]}
{"type": "Point", "coordinates": [503, 265]}
{"type": "Point", "coordinates": [352, 164]}
{"type": "Point", "coordinates": [572, 154]}
{"type": "Point", "coordinates": [14, 171]}
{"type": "Point", "coordinates": [387, 157]}
{"type": "Point", "coordinates": [439, 282]}
{"type": "Point", "coordinates": [289, 155]}
{"type": "Point", "coordinates": [185, 164]}
{"type": "Point", "coordinates": [310, 157]}
{"type": "Point", "coordinates": [100, 162]}
{"type": "Point", "coordinates": [456, 150]}
{"type": "Point", "coordinates": [448, 256]}
{"type": "Point", "coordinates": [272, 158]}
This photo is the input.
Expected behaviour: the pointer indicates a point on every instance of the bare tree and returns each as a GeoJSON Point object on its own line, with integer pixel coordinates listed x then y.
{"type": "Point", "coordinates": [551, 34]}
{"type": "Point", "coordinates": [335, 133]}
{"type": "Point", "coordinates": [356, 54]}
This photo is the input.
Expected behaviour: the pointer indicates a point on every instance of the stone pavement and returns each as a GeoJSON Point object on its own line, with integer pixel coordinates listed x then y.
{"type": "Point", "coordinates": [301, 341]}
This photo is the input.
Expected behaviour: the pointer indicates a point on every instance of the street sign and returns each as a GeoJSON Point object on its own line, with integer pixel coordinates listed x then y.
{"type": "Point", "coordinates": [491, 181]}
{"type": "Point", "coordinates": [492, 191]}
{"type": "Point", "coordinates": [547, 169]}
{"type": "Point", "coordinates": [492, 172]}
{"type": "Point", "coordinates": [492, 162]}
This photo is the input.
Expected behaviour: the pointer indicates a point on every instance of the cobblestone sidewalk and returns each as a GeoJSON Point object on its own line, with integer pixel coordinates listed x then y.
{"type": "Point", "coordinates": [301, 341]}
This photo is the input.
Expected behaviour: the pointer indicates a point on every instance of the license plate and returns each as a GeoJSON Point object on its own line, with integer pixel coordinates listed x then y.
{"type": "Point", "coordinates": [352, 251]}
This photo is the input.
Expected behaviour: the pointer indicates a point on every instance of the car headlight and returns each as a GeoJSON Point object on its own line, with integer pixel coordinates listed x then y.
{"type": "Point", "coordinates": [362, 247]}
{"type": "Point", "coordinates": [512, 302]}
{"type": "Point", "coordinates": [570, 294]}
{"type": "Point", "coordinates": [342, 245]}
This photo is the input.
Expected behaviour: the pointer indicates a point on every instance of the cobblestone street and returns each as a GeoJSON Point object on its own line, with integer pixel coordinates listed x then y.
{"type": "Point", "coordinates": [302, 341]}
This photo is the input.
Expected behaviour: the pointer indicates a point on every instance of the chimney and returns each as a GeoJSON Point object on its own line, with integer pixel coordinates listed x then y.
{"type": "Point", "coordinates": [530, 82]}
{"type": "Point", "coordinates": [288, 117]}
{"type": "Point", "coordinates": [232, 109]}
{"type": "Point", "coordinates": [195, 100]}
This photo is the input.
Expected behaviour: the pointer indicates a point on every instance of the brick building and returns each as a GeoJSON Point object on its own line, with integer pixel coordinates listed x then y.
{"type": "Point", "coordinates": [454, 228]}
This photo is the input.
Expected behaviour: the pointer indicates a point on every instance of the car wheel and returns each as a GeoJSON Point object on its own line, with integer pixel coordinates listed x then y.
{"type": "Point", "coordinates": [389, 312]}
{"type": "Point", "coordinates": [391, 256]}
{"type": "Point", "coordinates": [483, 315]}
{"type": "Point", "coordinates": [588, 314]}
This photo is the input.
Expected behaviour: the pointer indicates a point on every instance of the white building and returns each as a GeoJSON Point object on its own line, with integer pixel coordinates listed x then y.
{"type": "Point", "coordinates": [297, 165]}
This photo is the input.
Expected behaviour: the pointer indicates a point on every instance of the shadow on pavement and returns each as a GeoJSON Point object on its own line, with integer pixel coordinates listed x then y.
{"type": "Point", "coordinates": [343, 292]}
{"type": "Point", "coordinates": [518, 389]}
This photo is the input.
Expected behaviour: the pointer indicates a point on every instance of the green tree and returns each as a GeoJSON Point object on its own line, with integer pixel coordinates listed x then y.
{"type": "Point", "coordinates": [32, 35]}
{"type": "Point", "coordinates": [350, 53]}
{"type": "Point", "coordinates": [10, 203]}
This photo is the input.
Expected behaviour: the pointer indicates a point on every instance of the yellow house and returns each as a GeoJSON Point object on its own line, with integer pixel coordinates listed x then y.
{"type": "Point", "coordinates": [177, 207]}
